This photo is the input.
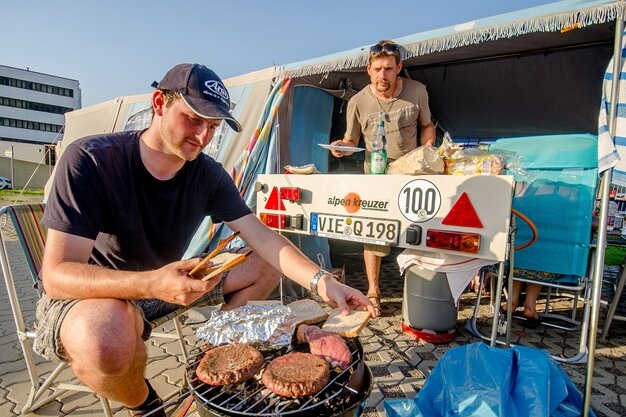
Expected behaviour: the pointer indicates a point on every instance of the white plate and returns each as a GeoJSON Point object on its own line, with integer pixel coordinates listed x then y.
{"type": "Point", "coordinates": [341, 148]}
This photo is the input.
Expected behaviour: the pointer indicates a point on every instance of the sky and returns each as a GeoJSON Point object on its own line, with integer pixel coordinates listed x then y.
{"type": "Point", "coordinates": [116, 48]}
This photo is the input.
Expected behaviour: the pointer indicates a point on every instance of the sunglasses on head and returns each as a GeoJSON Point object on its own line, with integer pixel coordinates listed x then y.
{"type": "Point", "coordinates": [385, 47]}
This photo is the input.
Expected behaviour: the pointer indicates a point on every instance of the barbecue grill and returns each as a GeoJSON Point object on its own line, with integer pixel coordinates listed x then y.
{"type": "Point", "coordinates": [344, 395]}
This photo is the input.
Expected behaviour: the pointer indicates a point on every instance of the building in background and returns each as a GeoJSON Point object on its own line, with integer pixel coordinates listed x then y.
{"type": "Point", "coordinates": [32, 115]}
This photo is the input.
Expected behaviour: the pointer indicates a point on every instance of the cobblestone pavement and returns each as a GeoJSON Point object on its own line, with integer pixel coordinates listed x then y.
{"type": "Point", "coordinates": [399, 362]}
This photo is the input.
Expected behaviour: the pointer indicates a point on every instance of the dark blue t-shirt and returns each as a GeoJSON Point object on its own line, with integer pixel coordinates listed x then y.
{"type": "Point", "coordinates": [102, 191]}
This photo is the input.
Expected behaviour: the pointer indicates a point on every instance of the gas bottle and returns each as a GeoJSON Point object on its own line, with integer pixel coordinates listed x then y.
{"type": "Point", "coordinates": [428, 309]}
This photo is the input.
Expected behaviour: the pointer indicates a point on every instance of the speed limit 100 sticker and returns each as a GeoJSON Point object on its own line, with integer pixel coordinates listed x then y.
{"type": "Point", "coordinates": [419, 200]}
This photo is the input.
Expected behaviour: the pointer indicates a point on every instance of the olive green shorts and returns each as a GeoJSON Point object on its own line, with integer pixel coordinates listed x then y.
{"type": "Point", "coordinates": [378, 250]}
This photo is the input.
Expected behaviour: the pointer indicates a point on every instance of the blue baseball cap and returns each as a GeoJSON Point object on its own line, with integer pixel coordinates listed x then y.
{"type": "Point", "coordinates": [202, 90]}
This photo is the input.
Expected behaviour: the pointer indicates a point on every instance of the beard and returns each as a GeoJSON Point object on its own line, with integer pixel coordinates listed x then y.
{"type": "Point", "coordinates": [172, 143]}
{"type": "Point", "coordinates": [383, 86]}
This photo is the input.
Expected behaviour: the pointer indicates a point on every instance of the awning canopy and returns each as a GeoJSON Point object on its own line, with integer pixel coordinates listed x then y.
{"type": "Point", "coordinates": [532, 72]}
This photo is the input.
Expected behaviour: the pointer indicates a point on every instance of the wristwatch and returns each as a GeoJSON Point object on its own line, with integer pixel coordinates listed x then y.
{"type": "Point", "coordinates": [316, 278]}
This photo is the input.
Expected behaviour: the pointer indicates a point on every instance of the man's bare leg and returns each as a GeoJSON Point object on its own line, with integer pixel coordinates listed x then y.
{"type": "Point", "coordinates": [254, 279]}
{"type": "Point", "coordinates": [102, 337]}
{"type": "Point", "coordinates": [372, 269]}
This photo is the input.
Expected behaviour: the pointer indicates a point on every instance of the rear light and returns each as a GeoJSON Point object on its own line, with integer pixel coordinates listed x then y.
{"type": "Point", "coordinates": [290, 193]}
{"type": "Point", "coordinates": [456, 241]}
{"type": "Point", "coordinates": [282, 221]}
{"type": "Point", "coordinates": [275, 221]}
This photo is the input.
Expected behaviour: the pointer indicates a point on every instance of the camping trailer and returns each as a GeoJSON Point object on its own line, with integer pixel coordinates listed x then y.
{"type": "Point", "coordinates": [539, 71]}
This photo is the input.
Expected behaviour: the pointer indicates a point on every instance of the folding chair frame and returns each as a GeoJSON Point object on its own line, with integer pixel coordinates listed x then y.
{"type": "Point", "coordinates": [503, 324]}
{"type": "Point", "coordinates": [610, 314]}
{"type": "Point", "coordinates": [31, 236]}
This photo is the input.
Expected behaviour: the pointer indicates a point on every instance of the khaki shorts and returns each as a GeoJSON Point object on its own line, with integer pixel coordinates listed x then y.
{"type": "Point", "coordinates": [51, 313]}
{"type": "Point", "coordinates": [378, 250]}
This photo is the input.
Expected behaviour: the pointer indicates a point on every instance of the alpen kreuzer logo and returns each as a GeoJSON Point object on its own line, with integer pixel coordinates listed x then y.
{"type": "Point", "coordinates": [218, 88]}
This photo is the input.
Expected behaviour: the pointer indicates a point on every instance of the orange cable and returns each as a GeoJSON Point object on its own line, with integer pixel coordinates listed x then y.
{"type": "Point", "coordinates": [530, 224]}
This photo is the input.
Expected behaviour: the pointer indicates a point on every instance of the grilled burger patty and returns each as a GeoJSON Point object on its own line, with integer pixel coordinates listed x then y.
{"type": "Point", "coordinates": [229, 364]}
{"type": "Point", "coordinates": [296, 374]}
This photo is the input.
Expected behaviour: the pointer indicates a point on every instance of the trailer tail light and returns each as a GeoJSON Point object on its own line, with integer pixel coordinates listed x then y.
{"type": "Point", "coordinates": [456, 241]}
{"type": "Point", "coordinates": [290, 193]}
{"type": "Point", "coordinates": [275, 221]}
{"type": "Point", "coordinates": [282, 221]}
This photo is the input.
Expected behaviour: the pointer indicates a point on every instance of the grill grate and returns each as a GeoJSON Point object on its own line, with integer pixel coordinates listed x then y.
{"type": "Point", "coordinates": [251, 398]}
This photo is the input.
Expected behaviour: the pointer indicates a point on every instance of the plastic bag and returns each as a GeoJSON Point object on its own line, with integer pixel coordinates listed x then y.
{"type": "Point", "coordinates": [477, 380]}
{"type": "Point", "coordinates": [470, 161]}
{"type": "Point", "coordinates": [424, 160]}
{"type": "Point", "coordinates": [475, 161]}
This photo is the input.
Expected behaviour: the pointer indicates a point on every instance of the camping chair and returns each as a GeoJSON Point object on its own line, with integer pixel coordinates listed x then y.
{"type": "Point", "coordinates": [617, 288]}
{"type": "Point", "coordinates": [31, 234]}
{"type": "Point", "coordinates": [556, 190]}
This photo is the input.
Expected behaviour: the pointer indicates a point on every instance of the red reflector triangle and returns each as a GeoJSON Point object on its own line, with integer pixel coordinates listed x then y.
{"type": "Point", "coordinates": [274, 202]}
{"type": "Point", "coordinates": [463, 214]}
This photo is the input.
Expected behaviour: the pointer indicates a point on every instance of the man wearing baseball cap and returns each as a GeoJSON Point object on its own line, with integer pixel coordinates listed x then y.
{"type": "Point", "coordinates": [120, 216]}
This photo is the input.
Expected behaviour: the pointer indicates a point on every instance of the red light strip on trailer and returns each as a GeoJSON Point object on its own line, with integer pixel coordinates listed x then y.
{"type": "Point", "coordinates": [455, 241]}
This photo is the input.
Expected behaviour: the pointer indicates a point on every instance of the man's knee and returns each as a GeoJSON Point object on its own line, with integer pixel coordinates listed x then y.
{"type": "Point", "coordinates": [267, 276]}
{"type": "Point", "coordinates": [256, 277]}
{"type": "Point", "coordinates": [108, 345]}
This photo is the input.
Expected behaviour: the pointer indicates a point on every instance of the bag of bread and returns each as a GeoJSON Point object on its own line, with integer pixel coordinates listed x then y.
{"type": "Point", "coordinates": [478, 162]}
{"type": "Point", "coordinates": [424, 160]}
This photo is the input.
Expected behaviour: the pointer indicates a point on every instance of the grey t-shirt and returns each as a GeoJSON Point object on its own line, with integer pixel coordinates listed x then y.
{"type": "Point", "coordinates": [401, 115]}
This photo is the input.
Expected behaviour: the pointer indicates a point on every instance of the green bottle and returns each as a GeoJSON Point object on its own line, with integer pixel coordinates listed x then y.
{"type": "Point", "coordinates": [378, 156]}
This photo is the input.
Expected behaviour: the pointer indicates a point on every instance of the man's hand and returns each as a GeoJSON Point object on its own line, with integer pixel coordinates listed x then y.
{"type": "Point", "coordinates": [341, 142]}
{"type": "Point", "coordinates": [175, 286]}
{"type": "Point", "coordinates": [343, 297]}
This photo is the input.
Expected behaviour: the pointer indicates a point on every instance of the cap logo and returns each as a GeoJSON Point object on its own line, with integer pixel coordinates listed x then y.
{"type": "Point", "coordinates": [216, 87]}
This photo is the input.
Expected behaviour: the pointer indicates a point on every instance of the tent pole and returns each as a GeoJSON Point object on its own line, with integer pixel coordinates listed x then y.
{"type": "Point", "coordinates": [598, 265]}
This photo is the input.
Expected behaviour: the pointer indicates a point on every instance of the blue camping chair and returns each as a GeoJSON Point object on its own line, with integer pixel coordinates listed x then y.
{"type": "Point", "coordinates": [556, 190]}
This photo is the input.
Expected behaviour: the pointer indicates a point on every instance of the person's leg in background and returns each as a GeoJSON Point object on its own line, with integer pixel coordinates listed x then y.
{"type": "Point", "coordinates": [373, 256]}
{"type": "Point", "coordinates": [530, 302]}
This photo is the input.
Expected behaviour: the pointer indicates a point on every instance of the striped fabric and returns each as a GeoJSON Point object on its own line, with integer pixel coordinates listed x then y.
{"type": "Point", "coordinates": [30, 233]}
{"type": "Point", "coordinates": [611, 148]}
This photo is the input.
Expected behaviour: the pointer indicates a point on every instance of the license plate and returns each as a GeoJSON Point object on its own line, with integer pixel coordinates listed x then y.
{"type": "Point", "coordinates": [358, 229]}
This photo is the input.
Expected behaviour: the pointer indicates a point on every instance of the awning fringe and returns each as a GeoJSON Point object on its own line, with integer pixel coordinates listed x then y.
{"type": "Point", "coordinates": [548, 23]}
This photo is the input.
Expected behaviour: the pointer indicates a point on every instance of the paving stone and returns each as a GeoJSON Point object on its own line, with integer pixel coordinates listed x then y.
{"type": "Point", "coordinates": [374, 398]}
{"type": "Point", "coordinates": [399, 362]}
{"type": "Point", "coordinates": [51, 409]}
{"type": "Point", "coordinates": [83, 402]}
{"type": "Point", "coordinates": [8, 408]}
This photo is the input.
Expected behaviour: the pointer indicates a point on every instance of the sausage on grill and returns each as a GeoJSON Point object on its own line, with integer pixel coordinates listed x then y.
{"type": "Point", "coordinates": [296, 374]}
{"type": "Point", "coordinates": [229, 364]}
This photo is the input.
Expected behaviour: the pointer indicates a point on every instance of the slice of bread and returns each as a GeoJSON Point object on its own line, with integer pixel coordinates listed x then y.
{"type": "Point", "coordinates": [263, 302]}
{"type": "Point", "coordinates": [223, 257]}
{"type": "Point", "coordinates": [222, 262]}
{"type": "Point", "coordinates": [347, 326]}
{"type": "Point", "coordinates": [307, 311]}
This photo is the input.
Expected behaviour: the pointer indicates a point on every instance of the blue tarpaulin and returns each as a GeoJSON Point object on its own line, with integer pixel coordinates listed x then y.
{"type": "Point", "coordinates": [477, 380]}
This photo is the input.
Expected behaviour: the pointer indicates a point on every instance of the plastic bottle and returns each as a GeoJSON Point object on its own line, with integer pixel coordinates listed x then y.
{"type": "Point", "coordinates": [378, 156]}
